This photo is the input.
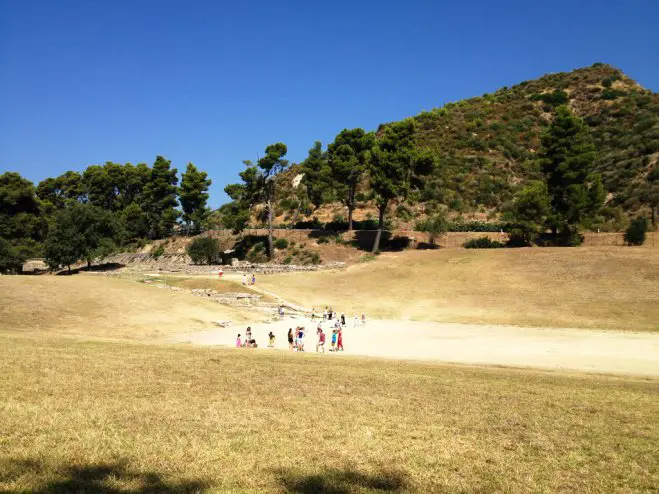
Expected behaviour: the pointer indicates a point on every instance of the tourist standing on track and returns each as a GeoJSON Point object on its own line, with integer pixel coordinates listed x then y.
{"type": "Point", "coordinates": [354, 321]}
{"type": "Point", "coordinates": [363, 319]}
{"type": "Point", "coordinates": [244, 279]}
{"type": "Point", "coordinates": [253, 279]}
{"type": "Point", "coordinates": [321, 340]}
{"type": "Point", "coordinates": [291, 343]}
{"type": "Point", "coordinates": [343, 319]}
{"type": "Point", "coordinates": [239, 343]}
{"type": "Point", "coordinates": [271, 340]}
{"type": "Point", "coordinates": [339, 343]}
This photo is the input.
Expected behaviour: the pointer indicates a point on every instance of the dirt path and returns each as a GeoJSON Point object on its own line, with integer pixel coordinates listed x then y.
{"type": "Point", "coordinates": [568, 349]}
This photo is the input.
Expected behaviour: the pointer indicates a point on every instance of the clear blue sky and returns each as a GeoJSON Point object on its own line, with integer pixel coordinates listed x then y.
{"type": "Point", "coordinates": [84, 82]}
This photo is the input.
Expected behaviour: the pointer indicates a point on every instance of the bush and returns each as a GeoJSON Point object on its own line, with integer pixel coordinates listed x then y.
{"type": "Point", "coordinates": [281, 243]}
{"type": "Point", "coordinates": [635, 233]}
{"type": "Point", "coordinates": [483, 243]}
{"type": "Point", "coordinates": [288, 260]}
{"type": "Point", "coordinates": [160, 250]}
{"type": "Point", "coordinates": [204, 250]}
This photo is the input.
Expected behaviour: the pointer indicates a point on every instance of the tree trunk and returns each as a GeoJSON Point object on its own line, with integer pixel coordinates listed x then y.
{"type": "Point", "coordinates": [351, 206]}
{"type": "Point", "coordinates": [271, 251]}
{"type": "Point", "coordinates": [378, 235]}
{"type": "Point", "coordinates": [652, 213]}
{"type": "Point", "coordinates": [349, 218]}
{"type": "Point", "coordinates": [69, 266]}
{"type": "Point", "coordinates": [89, 265]}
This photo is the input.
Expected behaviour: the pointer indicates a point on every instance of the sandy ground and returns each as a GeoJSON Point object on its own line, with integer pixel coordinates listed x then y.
{"type": "Point", "coordinates": [567, 349]}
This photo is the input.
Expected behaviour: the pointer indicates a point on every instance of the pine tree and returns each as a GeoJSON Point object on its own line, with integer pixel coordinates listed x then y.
{"type": "Point", "coordinates": [566, 159]}
{"type": "Point", "coordinates": [317, 175]}
{"type": "Point", "coordinates": [193, 195]}
{"type": "Point", "coordinates": [159, 198]}
{"type": "Point", "coordinates": [348, 160]}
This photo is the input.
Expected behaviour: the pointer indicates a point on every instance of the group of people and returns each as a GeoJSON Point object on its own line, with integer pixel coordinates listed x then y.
{"type": "Point", "coordinates": [296, 336]}
{"type": "Point", "coordinates": [249, 341]}
{"type": "Point", "coordinates": [329, 314]}
{"type": "Point", "coordinates": [249, 281]}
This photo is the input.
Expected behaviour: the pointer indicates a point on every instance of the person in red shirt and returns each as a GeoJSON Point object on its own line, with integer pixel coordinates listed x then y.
{"type": "Point", "coordinates": [339, 343]}
{"type": "Point", "coordinates": [321, 340]}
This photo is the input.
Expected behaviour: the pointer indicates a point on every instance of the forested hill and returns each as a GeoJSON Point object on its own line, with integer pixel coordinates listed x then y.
{"type": "Point", "coordinates": [485, 146]}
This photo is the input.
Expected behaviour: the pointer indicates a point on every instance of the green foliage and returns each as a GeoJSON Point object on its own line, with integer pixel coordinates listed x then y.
{"type": "Point", "coordinates": [82, 231]}
{"type": "Point", "coordinates": [11, 259]}
{"type": "Point", "coordinates": [317, 175]}
{"type": "Point", "coordinates": [435, 225]}
{"type": "Point", "coordinates": [483, 243]}
{"type": "Point", "coordinates": [635, 233]}
{"type": "Point", "coordinates": [281, 243]}
{"type": "Point", "coordinates": [555, 98]}
{"type": "Point", "coordinates": [529, 213]}
{"type": "Point", "coordinates": [204, 250]}
{"type": "Point", "coordinates": [193, 195]}
{"type": "Point", "coordinates": [566, 158]}
{"type": "Point", "coordinates": [160, 198]}
{"type": "Point", "coordinates": [395, 162]}
{"type": "Point", "coordinates": [348, 159]}
{"type": "Point", "coordinates": [160, 250]}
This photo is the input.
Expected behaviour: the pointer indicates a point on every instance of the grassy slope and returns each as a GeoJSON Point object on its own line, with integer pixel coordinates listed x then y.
{"type": "Point", "coordinates": [103, 307]}
{"type": "Point", "coordinates": [116, 417]}
{"type": "Point", "coordinates": [550, 287]}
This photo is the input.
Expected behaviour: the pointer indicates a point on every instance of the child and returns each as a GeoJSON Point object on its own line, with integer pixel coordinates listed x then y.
{"type": "Point", "coordinates": [271, 338]}
{"type": "Point", "coordinates": [239, 343]}
{"type": "Point", "coordinates": [300, 339]}
{"type": "Point", "coordinates": [321, 340]}
{"type": "Point", "coordinates": [339, 345]}
{"type": "Point", "coordinates": [248, 334]}
{"type": "Point", "coordinates": [332, 349]}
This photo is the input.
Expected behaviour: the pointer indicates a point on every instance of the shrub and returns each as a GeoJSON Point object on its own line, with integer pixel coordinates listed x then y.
{"type": "Point", "coordinates": [483, 243]}
{"type": "Point", "coordinates": [160, 250]}
{"type": "Point", "coordinates": [204, 250]}
{"type": "Point", "coordinates": [635, 233]}
{"type": "Point", "coordinates": [281, 243]}
{"type": "Point", "coordinates": [288, 260]}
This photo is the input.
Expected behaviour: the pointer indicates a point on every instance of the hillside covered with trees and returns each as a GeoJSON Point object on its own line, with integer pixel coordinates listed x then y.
{"type": "Point", "coordinates": [484, 150]}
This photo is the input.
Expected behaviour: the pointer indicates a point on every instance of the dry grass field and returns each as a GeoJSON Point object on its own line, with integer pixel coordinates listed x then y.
{"type": "Point", "coordinates": [103, 307]}
{"type": "Point", "coordinates": [135, 417]}
{"type": "Point", "coordinates": [599, 287]}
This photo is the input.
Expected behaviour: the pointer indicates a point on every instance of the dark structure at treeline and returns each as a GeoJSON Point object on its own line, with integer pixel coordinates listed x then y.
{"type": "Point", "coordinates": [565, 152]}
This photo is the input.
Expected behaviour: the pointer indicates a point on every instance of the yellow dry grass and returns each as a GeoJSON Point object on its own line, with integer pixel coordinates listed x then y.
{"type": "Point", "coordinates": [103, 307]}
{"type": "Point", "coordinates": [608, 287]}
{"type": "Point", "coordinates": [118, 417]}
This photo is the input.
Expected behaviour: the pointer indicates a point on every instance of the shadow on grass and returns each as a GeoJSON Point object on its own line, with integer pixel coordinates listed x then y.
{"type": "Point", "coordinates": [109, 266]}
{"type": "Point", "coordinates": [334, 481]}
{"type": "Point", "coordinates": [103, 478]}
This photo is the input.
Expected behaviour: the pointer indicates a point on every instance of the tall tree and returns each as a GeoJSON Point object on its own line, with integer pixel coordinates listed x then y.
{"type": "Point", "coordinates": [394, 160]}
{"type": "Point", "coordinates": [81, 231]}
{"type": "Point", "coordinates": [566, 158]}
{"type": "Point", "coordinates": [317, 175]}
{"type": "Point", "coordinates": [258, 187]}
{"type": "Point", "coordinates": [348, 159]}
{"type": "Point", "coordinates": [159, 198]}
{"type": "Point", "coordinates": [650, 192]}
{"type": "Point", "coordinates": [193, 195]}
{"type": "Point", "coordinates": [529, 213]}
{"type": "Point", "coordinates": [61, 191]}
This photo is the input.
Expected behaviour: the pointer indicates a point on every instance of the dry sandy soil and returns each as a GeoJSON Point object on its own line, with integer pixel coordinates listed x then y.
{"type": "Point", "coordinates": [567, 349]}
{"type": "Point", "coordinates": [596, 288]}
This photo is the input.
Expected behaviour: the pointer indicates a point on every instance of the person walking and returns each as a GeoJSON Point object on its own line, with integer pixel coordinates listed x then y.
{"type": "Point", "coordinates": [339, 342]}
{"type": "Point", "coordinates": [321, 340]}
{"type": "Point", "coordinates": [253, 279]}
{"type": "Point", "coordinates": [244, 279]}
{"type": "Point", "coordinates": [354, 321]}
{"type": "Point", "coordinates": [220, 273]}
{"type": "Point", "coordinates": [271, 340]}
{"type": "Point", "coordinates": [363, 319]}
{"type": "Point", "coordinates": [343, 319]}
{"type": "Point", "coordinates": [291, 346]}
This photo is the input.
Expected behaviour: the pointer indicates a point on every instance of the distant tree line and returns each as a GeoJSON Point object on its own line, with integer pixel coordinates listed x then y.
{"type": "Point", "coordinates": [80, 216]}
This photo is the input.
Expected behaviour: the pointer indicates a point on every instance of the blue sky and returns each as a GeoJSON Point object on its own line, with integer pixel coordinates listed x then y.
{"type": "Point", "coordinates": [84, 82]}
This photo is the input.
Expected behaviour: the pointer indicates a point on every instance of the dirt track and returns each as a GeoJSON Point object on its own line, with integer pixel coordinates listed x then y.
{"type": "Point", "coordinates": [568, 349]}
